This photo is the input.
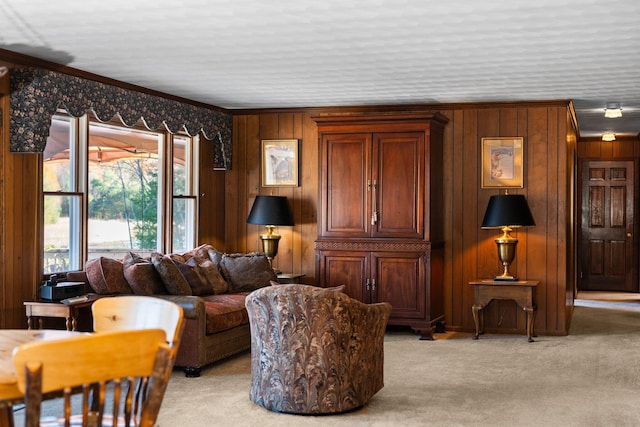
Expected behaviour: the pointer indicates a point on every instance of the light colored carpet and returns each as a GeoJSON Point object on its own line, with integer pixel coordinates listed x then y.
{"type": "Point", "coordinates": [589, 378]}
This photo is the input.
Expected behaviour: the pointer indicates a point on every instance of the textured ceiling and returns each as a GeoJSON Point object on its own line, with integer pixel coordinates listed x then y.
{"type": "Point", "coordinates": [267, 54]}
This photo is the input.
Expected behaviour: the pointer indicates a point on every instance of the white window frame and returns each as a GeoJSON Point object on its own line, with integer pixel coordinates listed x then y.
{"type": "Point", "coordinates": [79, 135]}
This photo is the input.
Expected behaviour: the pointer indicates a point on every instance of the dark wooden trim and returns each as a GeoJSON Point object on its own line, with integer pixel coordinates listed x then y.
{"type": "Point", "coordinates": [26, 60]}
{"type": "Point", "coordinates": [401, 108]}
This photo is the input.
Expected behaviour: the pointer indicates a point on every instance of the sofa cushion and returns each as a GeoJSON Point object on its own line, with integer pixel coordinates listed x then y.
{"type": "Point", "coordinates": [246, 272]}
{"type": "Point", "coordinates": [173, 280]}
{"type": "Point", "coordinates": [106, 276]}
{"type": "Point", "coordinates": [142, 275]}
{"type": "Point", "coordinates": [225, 311]}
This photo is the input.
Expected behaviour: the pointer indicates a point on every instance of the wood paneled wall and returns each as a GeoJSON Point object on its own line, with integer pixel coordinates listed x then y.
{"type": "Point", "coordinates": [211, 215]}
{"type": "Point", "coordinates": [19, 207]}
{"type": "Point", "coordinates": [621, 148]}
{"type": "Point", "coordinates": [545, 252]}
{"type": "Point", "coordinates": [243, 184]}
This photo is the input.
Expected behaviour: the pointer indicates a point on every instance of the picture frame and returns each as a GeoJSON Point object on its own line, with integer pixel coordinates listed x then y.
{"type": "Point", "coordinates": [502, 162]}
{"type": "Point", "coordinates": [280, 163]}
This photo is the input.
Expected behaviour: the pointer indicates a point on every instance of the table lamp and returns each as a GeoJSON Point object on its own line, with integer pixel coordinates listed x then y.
{"type": "Point", "coordinates": [270, 211]}
{"type": "Point", "coordinates": [506, 212]}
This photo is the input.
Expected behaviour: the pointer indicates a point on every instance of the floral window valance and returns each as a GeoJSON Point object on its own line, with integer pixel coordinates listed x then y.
{"type": "Point", "coordinates": [37, 93]}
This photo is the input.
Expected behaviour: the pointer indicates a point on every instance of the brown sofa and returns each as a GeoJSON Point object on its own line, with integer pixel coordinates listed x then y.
{"type": "Point", "coordinates": [209, 285]}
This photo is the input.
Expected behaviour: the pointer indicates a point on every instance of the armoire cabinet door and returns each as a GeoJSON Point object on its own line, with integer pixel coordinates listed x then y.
{"type": "Point", "coordinates": [374, 185]}
{"type": "Point", "coordinates": [345, 173]}
{"type": "Point", "coordinates": [398, 194]}
{"type": "Point", "coordinates": [400, 281]}
{"type": "Point", "coordinates": [350, 269]}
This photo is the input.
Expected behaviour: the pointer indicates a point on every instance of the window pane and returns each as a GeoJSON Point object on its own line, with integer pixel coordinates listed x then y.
{"type": "Point", "coordinates": [61, 233]}
{"type": "Point", "coordinates": [180, 155]}
{"type": "Point", "coordinates": [183, 224]}
{"type": "Point", "coordinates": [123, 191]}
{"type": "Point", "coordinates": [58, 176]}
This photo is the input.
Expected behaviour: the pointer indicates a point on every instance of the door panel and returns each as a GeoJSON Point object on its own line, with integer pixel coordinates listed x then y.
{"type": "Point", "coordinates": [608, 252]}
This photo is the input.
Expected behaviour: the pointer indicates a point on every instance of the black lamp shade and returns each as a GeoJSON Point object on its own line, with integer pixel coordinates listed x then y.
{"type": "Point", "coordinates": [270, 210]}
{"type": "Point", "coordinates": [509, 210]}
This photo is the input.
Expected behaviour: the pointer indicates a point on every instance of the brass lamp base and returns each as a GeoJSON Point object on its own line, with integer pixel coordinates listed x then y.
{"type": "Point", "coordinates": [506, 254]}
{"type": "Point", "coordinates": [270, 245]}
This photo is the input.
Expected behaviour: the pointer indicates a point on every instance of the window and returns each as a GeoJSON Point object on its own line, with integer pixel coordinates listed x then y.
{"type": "Point", "coordinates": [104, 192]}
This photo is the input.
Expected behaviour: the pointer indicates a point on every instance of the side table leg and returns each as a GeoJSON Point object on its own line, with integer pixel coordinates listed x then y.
{"type": "Point", "coordinates": [476, 320]}
{"type": "Point", "coordinates": [29, 322]}
{"type": "Point", "coordinates": [70, 324]}
{"type": "Point", "coordinates": [530, 319]}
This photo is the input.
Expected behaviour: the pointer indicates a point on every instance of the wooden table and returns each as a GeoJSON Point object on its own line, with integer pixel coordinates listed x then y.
{"type": "Point", "coordinates": [10, 339]}
{"type": "Point", "coordinates": [39, 309]}
{"type": "Point", "coordinates": [522, 292]}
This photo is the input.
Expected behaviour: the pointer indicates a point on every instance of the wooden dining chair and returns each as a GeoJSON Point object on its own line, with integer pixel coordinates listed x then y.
{"type": "Point", "coordinates": [127, 368]}
{"type": "Point", "coordinates": [127, 312]}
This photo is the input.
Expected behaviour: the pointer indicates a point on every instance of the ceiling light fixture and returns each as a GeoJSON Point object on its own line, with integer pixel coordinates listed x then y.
{"type": "Point", "coordinates": [613, 111]}
{"type": "Point", "coordinates": [608, 136]}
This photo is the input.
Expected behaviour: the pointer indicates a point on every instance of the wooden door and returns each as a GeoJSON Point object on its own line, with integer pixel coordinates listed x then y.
{"type": "Point", "coordinates": [398, 191]}
{"type": "Point", "coordinates": [346, 181]}
{"type": "Point", "coordinates": [608, 253]}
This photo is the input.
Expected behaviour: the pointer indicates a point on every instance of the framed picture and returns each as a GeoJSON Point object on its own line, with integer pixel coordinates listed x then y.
{"type": "Point", "coordinates": [280, 163]}
{"type": "Point", "coordinates": [502, 162]}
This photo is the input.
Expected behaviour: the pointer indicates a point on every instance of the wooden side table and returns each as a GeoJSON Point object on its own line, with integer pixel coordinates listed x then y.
{"type": "Point", "coordinates": [523, 292]}
{"type": "Point", "coordinates": [285, 278]}
{"type": "Point", "coordinates": [39, 309]}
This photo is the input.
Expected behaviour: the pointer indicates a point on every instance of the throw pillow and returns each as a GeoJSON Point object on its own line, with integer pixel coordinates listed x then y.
{"type": "Point", "coordinates": [201, 252]}
{"type": "Point", "coordinates": [216, 257]}
{"type": "Point", "coordinates": [195, 278]}
{"type": "Point", "coordinates": [213, 275]}
{"type": "Point", "coordinates": [173, 280]}
{"type": "Point", "coordinates": [142, 275]}
{"type": "Point", "coordinates": [106, 276]}
{"type": "Point", "coordinates": [247, 272]}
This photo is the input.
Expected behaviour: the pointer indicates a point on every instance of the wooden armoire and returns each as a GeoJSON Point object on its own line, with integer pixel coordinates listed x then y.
{"type": "Point", "coordinates": [380, 212]}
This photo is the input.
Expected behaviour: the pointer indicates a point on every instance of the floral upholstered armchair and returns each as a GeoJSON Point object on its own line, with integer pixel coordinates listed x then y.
{"type": "Point", "coordinates": [314, 350]}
